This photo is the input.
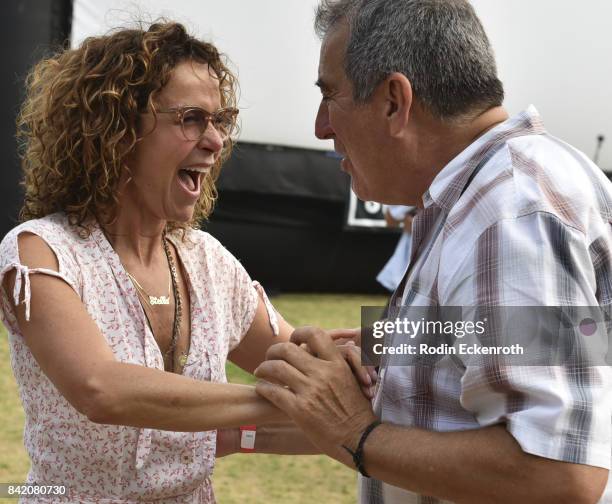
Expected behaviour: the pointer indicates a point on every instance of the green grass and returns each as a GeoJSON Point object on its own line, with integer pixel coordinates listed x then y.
{"type": "Point", "coordinates": [239, 478]}
{"type": "Point", "coordinates": [14, 463]}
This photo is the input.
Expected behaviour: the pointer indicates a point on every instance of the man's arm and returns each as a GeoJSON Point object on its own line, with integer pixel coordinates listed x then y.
{"type": "Point", "coordinates": [476, 466]}
{"type": "Point", "coordinates": [483, 465]}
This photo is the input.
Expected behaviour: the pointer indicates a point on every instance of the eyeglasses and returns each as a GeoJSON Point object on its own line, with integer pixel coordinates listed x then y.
{"type": "Point", "coordinates": [195, 121]}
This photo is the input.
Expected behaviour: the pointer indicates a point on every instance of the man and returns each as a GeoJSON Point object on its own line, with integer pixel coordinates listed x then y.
{"type": "Point", "coordinates": [393, 271]}
{"type": "Point", "coordinates": [508, 216]}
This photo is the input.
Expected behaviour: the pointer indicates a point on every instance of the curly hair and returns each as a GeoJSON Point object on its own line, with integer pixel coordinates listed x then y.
{"type": "Point", "coordinates": [81, 118]}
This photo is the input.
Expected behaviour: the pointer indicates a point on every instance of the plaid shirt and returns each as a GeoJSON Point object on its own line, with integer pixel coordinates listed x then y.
{"type": "Point", "coordinates": [519, 218]}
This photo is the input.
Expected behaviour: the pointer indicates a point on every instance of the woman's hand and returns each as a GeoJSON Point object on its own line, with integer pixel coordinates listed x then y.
{"type": "Point", "coordinates": [348, 342]}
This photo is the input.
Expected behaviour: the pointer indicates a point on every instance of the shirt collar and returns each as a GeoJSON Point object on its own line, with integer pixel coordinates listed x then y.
{"type": "Point", "coordinates": [450, 182]}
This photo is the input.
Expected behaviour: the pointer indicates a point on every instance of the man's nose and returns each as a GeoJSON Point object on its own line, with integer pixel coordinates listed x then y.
{"type": "Point", "coordinates": [323, 130]}
{"type": "Point", "coordinates": [212, 139]}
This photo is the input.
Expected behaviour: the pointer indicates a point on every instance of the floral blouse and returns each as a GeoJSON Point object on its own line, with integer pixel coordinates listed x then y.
{"type": "Point", "coordinates": [109, 463]}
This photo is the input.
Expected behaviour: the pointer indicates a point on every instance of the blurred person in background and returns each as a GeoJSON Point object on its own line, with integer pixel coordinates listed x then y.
{"type": "Point", "coordinates": [397, 216]}
{"type": "Point", "coordinates": [508, 216]}
{"type": "Point", "coordinates": [121, 313]}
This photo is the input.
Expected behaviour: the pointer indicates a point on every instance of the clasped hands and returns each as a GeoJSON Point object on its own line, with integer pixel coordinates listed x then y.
{"type": "Point", "coordinates": [318, 381]}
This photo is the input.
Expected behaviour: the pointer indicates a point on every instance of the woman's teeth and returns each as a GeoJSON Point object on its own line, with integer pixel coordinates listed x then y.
{"type": "Point", "coordinates": [191, 177]}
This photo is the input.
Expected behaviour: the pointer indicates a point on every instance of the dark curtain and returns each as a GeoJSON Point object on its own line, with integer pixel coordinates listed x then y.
{"type": "Point", "coordinates": [31, 29]}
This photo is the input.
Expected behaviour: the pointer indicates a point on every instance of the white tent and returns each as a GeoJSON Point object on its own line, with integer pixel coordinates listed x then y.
{"type": "Point", "coordinates": [553, 54]}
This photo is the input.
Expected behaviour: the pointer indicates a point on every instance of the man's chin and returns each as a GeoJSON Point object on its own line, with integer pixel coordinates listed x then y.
{"type": "Point", "coordinates": [359, 191]}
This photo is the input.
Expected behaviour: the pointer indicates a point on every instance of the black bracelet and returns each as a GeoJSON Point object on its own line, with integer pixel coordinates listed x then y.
{"type": "Point", "coordinates": [358, 453]}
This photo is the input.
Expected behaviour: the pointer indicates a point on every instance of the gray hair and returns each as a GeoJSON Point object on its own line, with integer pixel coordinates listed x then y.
{"type": "Point", "coordinates": [439, 45]}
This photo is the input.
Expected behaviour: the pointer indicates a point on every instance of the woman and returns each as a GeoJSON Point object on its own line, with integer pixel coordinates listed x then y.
{"type": "Point", "coordinates": [119, 311]}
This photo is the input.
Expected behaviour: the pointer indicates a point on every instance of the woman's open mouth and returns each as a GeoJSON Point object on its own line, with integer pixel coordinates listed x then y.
{"type": "Point", "coordinates": [191, 179]}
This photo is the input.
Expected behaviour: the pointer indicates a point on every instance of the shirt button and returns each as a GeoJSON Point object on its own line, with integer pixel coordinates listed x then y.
{"type": "Point", "coordinates": [186, 458]}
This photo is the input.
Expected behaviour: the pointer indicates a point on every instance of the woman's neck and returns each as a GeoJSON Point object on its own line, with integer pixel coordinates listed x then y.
{"type": "Point", "coordinates": [136, 239]}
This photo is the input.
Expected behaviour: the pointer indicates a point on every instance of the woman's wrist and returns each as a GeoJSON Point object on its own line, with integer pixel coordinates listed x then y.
{"type": "Point", "coordinates": [228, 442]}
{"type": "Point", "coordinates": [269, 413]}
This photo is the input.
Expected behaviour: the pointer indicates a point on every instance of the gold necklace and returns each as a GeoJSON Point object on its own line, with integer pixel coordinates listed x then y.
{"type": "Point", "coordinates": [178, 309]}
{"type": "Point", "coordinates": [152, 300]}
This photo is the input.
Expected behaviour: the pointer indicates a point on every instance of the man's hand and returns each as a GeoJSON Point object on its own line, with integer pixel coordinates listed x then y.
{"type": "Point", "coordinates": [366, 375]}
{"type": "Point", "coordinates": [317, 390]}
{"type": "Point", "coordinates": [348, 342]}
{"type": "Point", "coordinates": [343, 336]}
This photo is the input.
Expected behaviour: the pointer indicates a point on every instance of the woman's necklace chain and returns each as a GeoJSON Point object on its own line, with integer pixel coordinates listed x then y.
{"type": "Point", "coordinates": [178, 307]}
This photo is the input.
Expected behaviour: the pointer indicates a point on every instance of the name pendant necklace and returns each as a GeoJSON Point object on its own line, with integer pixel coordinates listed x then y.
{"type": "Point", "coordinates": [153, 300]}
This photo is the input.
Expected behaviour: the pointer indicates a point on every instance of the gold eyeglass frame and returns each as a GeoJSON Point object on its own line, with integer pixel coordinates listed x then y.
{"type": "Point", "coordinates": [210, 118]}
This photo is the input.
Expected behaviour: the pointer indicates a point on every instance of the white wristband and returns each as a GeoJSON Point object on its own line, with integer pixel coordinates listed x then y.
{"type": "Point", "coordinates": [247, 438]}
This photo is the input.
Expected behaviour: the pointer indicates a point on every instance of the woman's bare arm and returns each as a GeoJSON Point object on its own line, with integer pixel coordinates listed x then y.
{"type": "Point", "coordinates": [71, 351]}
{"type": "Point", "coordinates": [283, 438]}
{"type": "Point", "coordinates": [251, 351]}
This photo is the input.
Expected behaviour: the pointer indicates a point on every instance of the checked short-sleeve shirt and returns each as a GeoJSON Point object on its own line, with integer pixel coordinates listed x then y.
{"type": "Point", "coordinates": [519, 218]}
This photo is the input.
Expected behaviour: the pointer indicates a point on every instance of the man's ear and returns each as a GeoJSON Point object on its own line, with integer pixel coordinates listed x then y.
{"type": "Point", "coordinates": [398, 92]}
